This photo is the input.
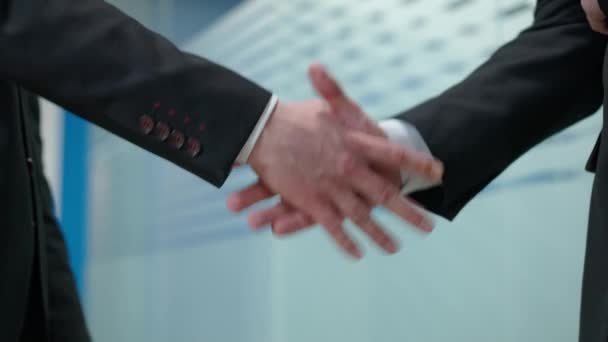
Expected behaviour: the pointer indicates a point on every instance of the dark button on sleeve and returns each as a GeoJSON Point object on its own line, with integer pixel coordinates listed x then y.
{"type": "Point", "coordinates": [30, 164]}
{"type": "Point", "coordinates": [193, 147]}
{"type": "Point", "coordinates": [146, 124]}
{"type": "Point", "coordinates": [176, 139]}
{"type": "Point", "coordinates": [162, 131]}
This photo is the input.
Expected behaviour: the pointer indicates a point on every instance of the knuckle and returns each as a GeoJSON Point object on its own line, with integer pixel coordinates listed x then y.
{"type": "Point", "coordinates": [423, 164]}
{"type": "Point", "coordinates": [333, 90]}
{"type": "Point", "coordinates": [416, 218]}
{"type": "Point", "coordinates": [331, 221]}
{"type": "Point", "coordinates": [595, 25]}
{"type": "Point", "coordinates": [360, 214]}
{"type": "Point", "coordinates": [346, 164]}
{"type": "Point", "coordinates": [278, 232]}
{"type": "Point", "coordinates": [344, 240]}
{"type": "Point", "coordinates": [380, 237]}
{"type": "Point", "coordinates": [399, 155]}
{"type": "Point", "coordinates": [426, 166]}
{"type": "Point", "coordinates": [383, 238]}
{"type": "Point", "coordinates": [302, 221]}
{"type": "Point", "coordinates": [339, 236]}
{"type": "Point", "coordinates": [386, 194]}
{"type": "Point", "coordinates": [349, 244]}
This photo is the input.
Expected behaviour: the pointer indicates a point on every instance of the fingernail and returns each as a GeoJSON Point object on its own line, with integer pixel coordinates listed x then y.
{"type": "Point", "coordinates": [280, 230]}
{"type": "Point", "coordinates": [255, 222]}
{"type": "Point", "coordinates": [357, 254]}
{"type": "Point", "coordinates": [427, 225]}
{"type": "Point", "coordinates": [392, 247]}
{"type": "Point", "coordinates": [316, 72]}
{"type": "Point", "coordinates": [233, 203]}
{"type": "Point", "coordinates": [278, 234]}
{"type": "Point", "coordinates": [437, 170]}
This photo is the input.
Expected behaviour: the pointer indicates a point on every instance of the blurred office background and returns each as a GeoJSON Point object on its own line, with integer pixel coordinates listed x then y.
{"type": "Point", "coordinates": [159, 258]}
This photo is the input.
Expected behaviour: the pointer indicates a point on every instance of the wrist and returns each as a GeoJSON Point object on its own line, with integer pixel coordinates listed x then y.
{"type": "Point", "coordinates": [261, 147]}
{"type": "Point", "coordinates": [243, 156]}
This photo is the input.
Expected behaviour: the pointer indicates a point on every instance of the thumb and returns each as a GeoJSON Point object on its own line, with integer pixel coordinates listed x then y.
{"type": "Point", "coordinates": [327, 87]}
{"type": "Point", "coordinates": [347, 110]}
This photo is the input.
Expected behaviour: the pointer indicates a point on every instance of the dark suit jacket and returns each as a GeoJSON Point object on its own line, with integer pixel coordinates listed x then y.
{"type": "Point", "coordinates": [545, 80]}
{"type": "Point", "coordinates": [64, 317]}
{"type": "Point", "coordinates": [90, 58]}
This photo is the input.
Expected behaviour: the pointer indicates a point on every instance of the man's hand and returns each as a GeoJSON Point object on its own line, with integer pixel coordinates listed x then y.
{"type": "Point", "coordinates": [595, 15]}
{"type": "Point", "coordinates": [362, 171]}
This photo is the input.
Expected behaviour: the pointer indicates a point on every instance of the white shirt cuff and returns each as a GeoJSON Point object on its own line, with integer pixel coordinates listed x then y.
{"type": "Point", "coordinates": [406, 135]}
{"type": "Point", "coordinates": [243, 156]}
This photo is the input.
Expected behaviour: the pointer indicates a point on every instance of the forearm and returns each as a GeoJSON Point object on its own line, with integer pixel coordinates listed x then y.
{"type": "Point", "coordinates": [545, 80]}
{"type": "Point", "coordinates": [95, 61]}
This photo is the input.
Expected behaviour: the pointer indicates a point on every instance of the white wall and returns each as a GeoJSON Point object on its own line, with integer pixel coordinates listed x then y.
{"type": "Point", "coordinates": [51, 122]}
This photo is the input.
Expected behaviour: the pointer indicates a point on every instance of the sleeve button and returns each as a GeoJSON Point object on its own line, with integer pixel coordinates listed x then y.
{"type": "Point", "coordinates": [146, 124]}
{"type": "Point", "coordinates": [161, 131]}
{"type": "Point", "coordinates": [193, 147]}
{"type": "Point", "coordinates": [176, 139]}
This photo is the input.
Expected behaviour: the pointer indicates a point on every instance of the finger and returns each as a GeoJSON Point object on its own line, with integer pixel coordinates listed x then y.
{"type": "Point", "coordinates": [292, 222]}
{"type": "Point", "coordinates": [414, 202]}
{"type": "Point", "coordinates": [322, 211]}
{"type": "Point", "coordinates": [247, 197]}
{"type": "Point", "coordinates": [343, 240]}
{"type": "Point", "coordinates": [382, 151]}
{"type": "Point", "coordinates": [328, 88]}
{"type": "Point", "coordinates": [265, 217]}
{"type": "Point", "coordinates": [379, 236]}
{"type": "Point", "coordinates": [355, 208]}
{"type": "Point", "coordinates": [341, 105]}
{"type": "Point", "coordinates": [326, 214]}
{"type": "Point", "coordinates": [597, 25]}
{"type": "Point", "coordinates": [382, 192]}
{"type": "Point", "coordinates": [390, 174]}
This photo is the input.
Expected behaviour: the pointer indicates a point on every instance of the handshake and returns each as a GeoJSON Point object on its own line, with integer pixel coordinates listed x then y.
{"type": "Point", "coordinates": [329, 162]}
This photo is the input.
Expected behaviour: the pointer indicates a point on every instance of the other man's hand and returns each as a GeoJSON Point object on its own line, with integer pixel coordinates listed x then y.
{"type": "Point", "coordinates": [595, 16]}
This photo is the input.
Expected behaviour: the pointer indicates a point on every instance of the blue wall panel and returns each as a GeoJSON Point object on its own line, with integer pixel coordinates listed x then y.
{"type": "Point", "coordinates": [74, 193]}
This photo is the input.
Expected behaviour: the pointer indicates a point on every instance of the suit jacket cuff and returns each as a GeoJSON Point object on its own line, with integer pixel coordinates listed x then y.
{"type": "Point", "coordinates": [243, 156]}
{"type": "Point", "coordinates": [406, 135]}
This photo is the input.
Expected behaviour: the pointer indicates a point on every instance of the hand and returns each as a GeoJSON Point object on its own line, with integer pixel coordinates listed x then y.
{"type": "Point", "coordinates": [286, 219]}
{"type": "Point", "coordinates": [595, 16]}
{"type": "Point", "coordinates": [344, 113]}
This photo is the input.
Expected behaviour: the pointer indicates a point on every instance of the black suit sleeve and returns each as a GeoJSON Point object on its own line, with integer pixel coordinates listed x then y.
{"type": "Point", "coordinates": [65, 315]}
{"type": "Point", "coordinates": [92, 59]}
{"type": "Point", "coordinates": [548, 78]}
{"type": "Point", "coordinates": [604, 6]}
